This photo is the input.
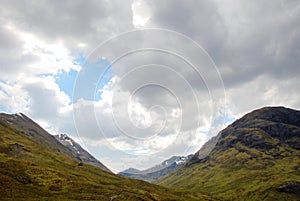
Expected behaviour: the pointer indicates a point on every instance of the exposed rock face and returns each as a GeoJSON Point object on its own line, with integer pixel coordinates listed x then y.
{"type": "Point", "coordinates": [290, 187]}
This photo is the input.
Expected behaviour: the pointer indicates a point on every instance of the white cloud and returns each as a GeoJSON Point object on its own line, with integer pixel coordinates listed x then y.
{"type": "Point", "coordinates": [141, 13]}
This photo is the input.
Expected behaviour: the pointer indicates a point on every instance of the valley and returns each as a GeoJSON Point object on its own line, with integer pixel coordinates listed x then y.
{"type": "Point", "coordinates": [254, 158]}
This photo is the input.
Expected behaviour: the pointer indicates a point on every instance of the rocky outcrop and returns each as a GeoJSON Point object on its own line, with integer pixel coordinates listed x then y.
{"type": "Point", "coordinates": [290, 187]}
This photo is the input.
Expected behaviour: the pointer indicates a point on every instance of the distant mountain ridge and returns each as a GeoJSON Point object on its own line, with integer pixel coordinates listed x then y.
{"type": "Point", "coordinates": [156, 172]}
{"type": "Point", "coordinates": [257, 157]}
{"type": "Point", "coordinates": [80, 153]}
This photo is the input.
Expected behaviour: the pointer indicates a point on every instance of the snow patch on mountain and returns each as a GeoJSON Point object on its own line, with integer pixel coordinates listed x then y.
{"type": "Point", "coordinates": [157, 171]}
{"type": "Point", "coordinates": [80, 153]}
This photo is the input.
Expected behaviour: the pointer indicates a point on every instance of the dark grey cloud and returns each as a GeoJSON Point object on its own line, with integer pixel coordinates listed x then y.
{"type": "Point", "coordinates": [72, 22]}
{"type": "Point", "coordinates": [245, 39]}
{"type": "Point", "coordinates": [199, 20]}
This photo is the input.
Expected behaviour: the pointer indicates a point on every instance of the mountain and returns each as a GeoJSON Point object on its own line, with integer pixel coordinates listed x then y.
{"type": "Point", "coordinates": [79, 152]}
{"type": "Point", "coordinates": [255, 158]}
{"type": "Point", "coordinates": [158, 171]}
{"type": "Point", "coordinates": [26, 126]}
{"type": "Point", "coordinates": [34, 165]}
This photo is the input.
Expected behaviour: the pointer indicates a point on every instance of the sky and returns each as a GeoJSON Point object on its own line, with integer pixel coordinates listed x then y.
{"type": "Point", "coordinates": [136, 82]}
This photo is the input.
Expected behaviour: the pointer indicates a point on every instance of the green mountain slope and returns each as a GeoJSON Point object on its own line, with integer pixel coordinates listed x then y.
{"type": "Point", "coordinates": [25, 126]}
{"type": "Point", "coordinates": [35, 166]}
{"type": "Point", "coordinates": [255, 158]}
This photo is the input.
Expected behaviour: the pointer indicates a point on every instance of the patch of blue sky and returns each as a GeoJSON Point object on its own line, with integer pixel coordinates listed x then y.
{"type": "Point", "coordinates": [87, 83]}
{"type": "Point", "coordinates": [66, 82]}
{"type": "Point", "coordinates": [223, 120]}
{"type": "Point", "coordinates": [80, 59]}
{"type": "Point", "coordinates": [137, 152]}
{"type": "Point", "coordinates": [3, 108]}
{"type": "Point", "coordinates": [104, 78]}
{"type": "Point", "coordinates": [3, 90]}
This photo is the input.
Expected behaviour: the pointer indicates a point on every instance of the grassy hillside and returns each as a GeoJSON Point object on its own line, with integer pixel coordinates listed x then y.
{"type": "Point", "coordinates": [27, 127]}
{"type": "Point", "coordinates": [256, 158]}
{"type": "Point", "coordinates": [41, 169]}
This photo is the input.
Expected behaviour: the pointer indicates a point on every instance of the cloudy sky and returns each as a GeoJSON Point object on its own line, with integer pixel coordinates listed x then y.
{"type": "Point", "coordinates": [136, 81]}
